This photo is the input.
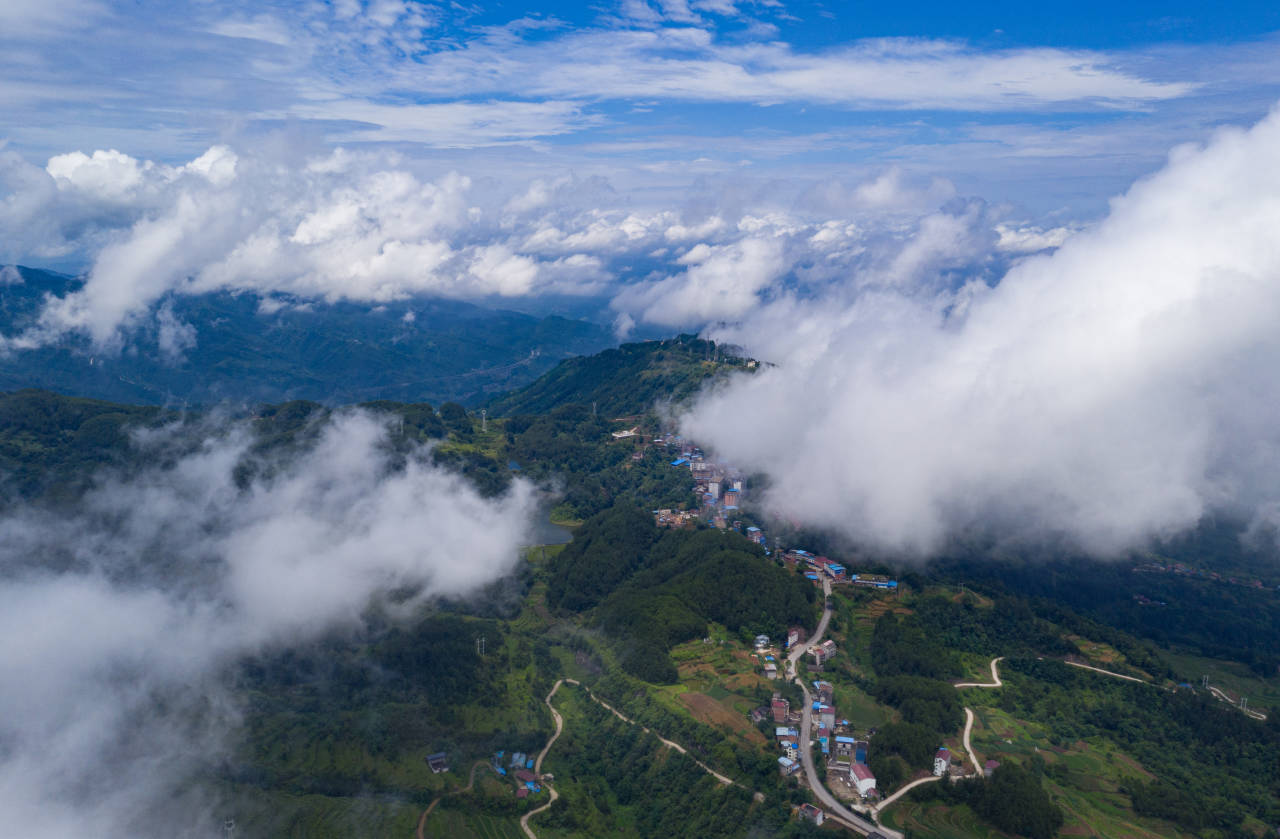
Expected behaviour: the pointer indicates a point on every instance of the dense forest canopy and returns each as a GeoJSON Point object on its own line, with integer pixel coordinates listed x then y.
{"type": "Point", "coordinates": [655, 589]}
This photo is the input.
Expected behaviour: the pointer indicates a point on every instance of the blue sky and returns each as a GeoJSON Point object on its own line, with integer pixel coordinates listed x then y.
{"type": "Point", "coordinates": [1097, 89]}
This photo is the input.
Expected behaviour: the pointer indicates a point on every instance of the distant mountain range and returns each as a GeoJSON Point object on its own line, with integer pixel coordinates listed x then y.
{"type": "Point", "coordinates": [414, 350]}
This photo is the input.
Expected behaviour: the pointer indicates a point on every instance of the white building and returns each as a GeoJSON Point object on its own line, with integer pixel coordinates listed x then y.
{"type": "Point", "coordinates": [862, 778]}
{"type": "Point", "coordinates": [941, 762]}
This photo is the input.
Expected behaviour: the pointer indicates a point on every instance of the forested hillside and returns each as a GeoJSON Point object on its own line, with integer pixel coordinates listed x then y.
{"type": "Point", "coordinates": [653, 589]}
{"type": "Point", "coordinates": [628, 380]}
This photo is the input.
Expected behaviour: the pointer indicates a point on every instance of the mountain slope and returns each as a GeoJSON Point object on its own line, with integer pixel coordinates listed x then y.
{"type": "Point", "coordinates": [626, 380]}
{"type": "Point", "coordinates": [233, 347]}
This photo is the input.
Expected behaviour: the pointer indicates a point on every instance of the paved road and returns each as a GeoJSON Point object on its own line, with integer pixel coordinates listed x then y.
{"type": "Point", "coordinates": [904, 791]}
{"type": "Point", "coordinates": [801, 648]}
{"type": "Point", "coordinates": [836, 810]}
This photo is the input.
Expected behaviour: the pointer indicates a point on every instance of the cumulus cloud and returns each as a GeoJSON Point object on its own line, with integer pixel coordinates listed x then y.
{"type": "Point", "coordinates": [126, 613]}
{"type": "Point", "coordinates": [339, 227]}
{"type": "Point", "coordinates": [719, 283]}
{"type": "Point", "coordinates": [365, 227]}
{"type": "Point", "coordinates": [1117, 389]}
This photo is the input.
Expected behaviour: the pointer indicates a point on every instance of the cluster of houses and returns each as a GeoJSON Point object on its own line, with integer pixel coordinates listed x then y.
{"type": "Point", "coordinates": [519, 767]}
{"type": "Point", "coordinates": [767, 657]}
{"type": "Point", "coordinates": [719, 487]}
{"type": "Point", "coordinates": [818, 568]}
{"type": "Point", "coordinates": [846, 754]}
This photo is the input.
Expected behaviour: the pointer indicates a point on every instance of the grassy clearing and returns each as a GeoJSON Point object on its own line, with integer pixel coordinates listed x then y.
{"type": "Point", "coordinates": [718, 686]}
{"type": "Point", "coordinates": [862, 712]}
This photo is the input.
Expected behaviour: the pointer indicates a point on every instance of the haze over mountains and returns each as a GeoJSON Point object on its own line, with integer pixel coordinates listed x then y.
{"type": "Point", "coordinates": [215, 347]}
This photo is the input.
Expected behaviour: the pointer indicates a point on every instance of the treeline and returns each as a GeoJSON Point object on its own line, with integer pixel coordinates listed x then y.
{"type": "Point", "coordinates": [903, 648]}
{"type": "Point", "coordinates": [1012, 799]}
{"type": "Point", "coordinates": [53, 447]}
{"type": "Point", "coordinates": [914, 658]}
{"type": "Point", "coordinates": [653, 589]}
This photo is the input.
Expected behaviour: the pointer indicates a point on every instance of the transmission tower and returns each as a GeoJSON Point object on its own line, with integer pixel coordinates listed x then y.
{"type": "Point", "coordinates": [229, 828]}
{"type": "Point", "coordinates": [480, 646]}
{"type": "Point", "coordinates": [484, 420]}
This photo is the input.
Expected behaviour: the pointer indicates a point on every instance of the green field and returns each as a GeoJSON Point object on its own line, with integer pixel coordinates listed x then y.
{"type": "Point", "coordinates": [936, 821]}
{"type": "Point", "coordinates": [257, 813]}
{"type": "Point", "coordinates": [453, 824]}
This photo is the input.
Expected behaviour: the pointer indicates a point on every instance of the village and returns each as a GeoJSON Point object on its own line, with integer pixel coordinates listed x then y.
{"type": "Point", "coordinates": [845, 751]}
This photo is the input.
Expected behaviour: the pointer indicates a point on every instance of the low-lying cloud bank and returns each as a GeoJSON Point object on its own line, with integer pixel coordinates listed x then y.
{"type": "Point", "coordinates": [1116, 390]}
{"type": "Point", "coordinates": [122, 616]}
{"type": "Point", "coordinates": [369, 227]}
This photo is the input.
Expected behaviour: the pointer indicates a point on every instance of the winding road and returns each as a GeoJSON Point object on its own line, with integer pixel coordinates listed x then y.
{"type": "Point", "coordinates": [903, 791]}
{"type": "Point", "coordinates": [559, 720]}
{"type": "Point", "coordinates": [537, 765]}
{"type": "Point", "coordinates": [995, 678]}
{"type": "Point", "coordinates": [471, 782]}
{"type": "Point", "coordinates": [1215, 692]}
{"type": "Point", "coordinates": [968, 727]}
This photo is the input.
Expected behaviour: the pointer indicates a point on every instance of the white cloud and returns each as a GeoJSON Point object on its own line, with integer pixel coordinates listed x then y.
{"type": "Point", "coordinates": [338, 227]}
{"type": "Point", "coordinates": [719, 282]}
{"type": "Point", "coordinates": [444, 125]}
{"type": "Point", "coordinates": [1115, 390]}
{"type": "Point", "coordinates": [116, 693]}
{"type": "Point", "coordinates": [689, 64]}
